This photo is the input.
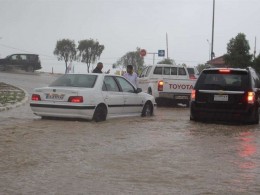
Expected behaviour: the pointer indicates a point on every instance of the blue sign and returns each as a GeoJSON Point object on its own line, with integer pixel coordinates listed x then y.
{"type": "Point", "coordinates": [161, 53]}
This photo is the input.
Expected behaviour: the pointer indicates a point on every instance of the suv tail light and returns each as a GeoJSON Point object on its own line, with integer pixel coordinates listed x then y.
{"type": "Point", "coordinates": [75, 99]}
{"type": "Point", "coordinates": [160, 85]}
{"type": "Point", "coordinates": [224, 70]}
{"type": "Point", "coordinates": [250, 97]}
{"type": "Point", "coordinates": [193, 94]}
{"type": "Point", "coordinates": [36, 97]}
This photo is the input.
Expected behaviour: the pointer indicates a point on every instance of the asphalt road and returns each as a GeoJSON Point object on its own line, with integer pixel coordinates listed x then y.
{"type": "Point", "coordinates": [164, 154]}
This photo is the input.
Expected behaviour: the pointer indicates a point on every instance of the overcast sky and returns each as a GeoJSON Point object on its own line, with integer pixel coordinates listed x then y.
{"type": "Point", "coordinates": [122, 25]}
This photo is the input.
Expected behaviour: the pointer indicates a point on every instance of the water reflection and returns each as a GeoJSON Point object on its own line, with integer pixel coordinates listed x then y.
{"type": "Point", "coordinates": [247, 145]}
{"type": "Point", "coordinates": [247, 165]}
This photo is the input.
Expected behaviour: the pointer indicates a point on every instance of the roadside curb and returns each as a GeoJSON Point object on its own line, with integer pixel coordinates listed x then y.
{"type": "Point", "coordinates": [17, 104]}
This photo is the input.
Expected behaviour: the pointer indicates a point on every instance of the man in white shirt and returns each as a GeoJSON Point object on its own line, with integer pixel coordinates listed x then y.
{"type": "Point", "coordinates": [131, 76]}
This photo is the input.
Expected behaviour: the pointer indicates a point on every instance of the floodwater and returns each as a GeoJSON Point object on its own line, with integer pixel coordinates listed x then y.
{"type": "Point", "coordinates": [163, 154]}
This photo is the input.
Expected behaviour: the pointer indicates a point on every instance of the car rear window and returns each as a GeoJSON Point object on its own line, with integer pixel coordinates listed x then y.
{"type": "Point", "coordinates": [215, 80]}
{"type": "Point", "coordinates": [75, 80]}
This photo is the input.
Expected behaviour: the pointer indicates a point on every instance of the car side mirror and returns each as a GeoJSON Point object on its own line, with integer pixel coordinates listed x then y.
{"type": "Point", "coordinates": [138, 90]}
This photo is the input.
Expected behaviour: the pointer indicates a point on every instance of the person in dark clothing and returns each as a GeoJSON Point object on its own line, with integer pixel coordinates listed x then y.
{"type": "Point", "coordinates": [98, 68]}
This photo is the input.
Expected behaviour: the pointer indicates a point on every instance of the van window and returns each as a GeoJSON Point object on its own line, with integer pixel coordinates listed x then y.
{"type": "Point", "coordinates": [167, 71]}
{"type": "Point", "coordinates": [173, 70]}
{"type": "Point", "coordinates": [181, 71]}
{"type": "Point", "coordinates": [157, 70]}
{"type": "Point", "coordinates": [148, 71]}
{"type": "Point", "coordinates": [143, 72]}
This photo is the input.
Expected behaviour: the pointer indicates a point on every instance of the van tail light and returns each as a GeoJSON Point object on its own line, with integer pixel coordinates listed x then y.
{"type": "Point", "coordinates": [36, 97]}
{"type": "Point", "coordinates": [75, 99]}
{"type": "Point", "coordinates": [160, 85]}
{"type": "Point", "coordinates": [193, 94]}
{"type": "Point", "coordinates": [192, 76]}
{"type": "Point", "coordinates": [250, 97]}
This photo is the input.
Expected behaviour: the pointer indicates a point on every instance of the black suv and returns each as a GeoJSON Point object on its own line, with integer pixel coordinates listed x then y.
{"type": "Point", "coordinates": [226, 94]}
{"type": "Point", "coordinates": [27, 62]}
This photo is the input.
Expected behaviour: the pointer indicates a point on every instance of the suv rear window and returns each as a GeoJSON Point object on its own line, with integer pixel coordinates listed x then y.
{"type": "Point", "coordinates": [216, 80]}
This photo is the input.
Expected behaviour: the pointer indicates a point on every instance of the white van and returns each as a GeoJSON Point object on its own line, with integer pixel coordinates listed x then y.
{"type": "Point", "coordinates": [167, 81]}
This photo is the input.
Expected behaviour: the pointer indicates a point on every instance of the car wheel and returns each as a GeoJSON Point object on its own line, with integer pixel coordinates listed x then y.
{"type": "Point", "coordinates": [30, 69]}
{"type": "Point", "coordinates": [148, 109]}
{"type": "Point", "coordinates": [100, 113]}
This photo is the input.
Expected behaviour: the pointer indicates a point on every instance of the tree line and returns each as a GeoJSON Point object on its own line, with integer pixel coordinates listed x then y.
{"type": "Point", "coordinates": [238, 54]}
{"type": "Point", "coordinates": [89, 51]}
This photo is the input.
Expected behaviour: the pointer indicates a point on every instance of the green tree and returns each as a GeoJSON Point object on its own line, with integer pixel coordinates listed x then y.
{"type": "Point", "coordinates": [166, 61]}
{"type": "Point", "coordinates": [65, 50]}
{"type": "Point", "coordinates": [201, 67]}
{"type": "Point", "coordinates": [256, 64]}
{"type": "Point", "coordinates": [132, 58]}
{"type": "Point", "coordinates": [238, 55]}
{"type": "Point", "coordinates": [90, 51]}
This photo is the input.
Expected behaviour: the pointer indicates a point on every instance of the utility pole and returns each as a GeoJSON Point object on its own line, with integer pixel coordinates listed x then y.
{"type": "Point", "coordinates": [209, 48]}
{"type": "Point", "coordinates": [255, 48]}
{"type": "Point", "coordinates": [212, 38]}
{"type": "Point", "coordinates": [167, 45]}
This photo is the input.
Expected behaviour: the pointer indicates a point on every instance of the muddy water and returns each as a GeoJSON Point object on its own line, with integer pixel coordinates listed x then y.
{"type": "Point", "coordinates": [164, 154]}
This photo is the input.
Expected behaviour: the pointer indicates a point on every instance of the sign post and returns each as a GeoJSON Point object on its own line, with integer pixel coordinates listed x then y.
{"type": "Point", "coordinates": [143, 52]}
{"type": "Point", "coordinates": [161, 53]}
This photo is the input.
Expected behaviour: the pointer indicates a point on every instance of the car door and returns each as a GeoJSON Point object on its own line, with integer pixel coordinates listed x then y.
{"type": "Point", "coordinates": [113, 97]}
{"type": "Point", "coordinates": [133, 102]}
{"type": "Point", "coordinates": [14, 60]}
{"type": "Point", "coordinates": [143, 80]}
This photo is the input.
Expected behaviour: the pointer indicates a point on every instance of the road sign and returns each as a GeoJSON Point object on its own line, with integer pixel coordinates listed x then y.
{"type": "Point", "coordinates": [142, 52]}
{"type": "Point", "coordinates": [161, 53]}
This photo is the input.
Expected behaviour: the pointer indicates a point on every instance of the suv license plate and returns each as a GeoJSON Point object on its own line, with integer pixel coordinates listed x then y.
{"type": "Point", "coordinates": [221, 98]}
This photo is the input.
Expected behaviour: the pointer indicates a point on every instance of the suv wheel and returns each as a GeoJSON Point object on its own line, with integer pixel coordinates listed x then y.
{"type": "Point", "coordinates": [255, 116]}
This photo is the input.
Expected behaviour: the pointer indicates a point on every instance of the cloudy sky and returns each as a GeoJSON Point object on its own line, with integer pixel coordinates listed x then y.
{"type": "Point", "coordinates": [34, 26]}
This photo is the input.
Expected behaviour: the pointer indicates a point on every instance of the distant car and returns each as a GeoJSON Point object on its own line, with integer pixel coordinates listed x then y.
{"type": "Point", "coordinates": [91, 96]}
{"type": "Point", "coordinates": [27, 62]}
{"type": "Point", "coordinates": [193, 72]}
{"type": "Point", "coordinates": [226, 94]}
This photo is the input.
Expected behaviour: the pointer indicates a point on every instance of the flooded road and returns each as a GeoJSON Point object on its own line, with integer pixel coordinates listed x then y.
{"type": "Point", "coordinates": [164, 154]}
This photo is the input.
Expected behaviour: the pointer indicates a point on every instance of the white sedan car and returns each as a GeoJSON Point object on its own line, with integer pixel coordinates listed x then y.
{"type": "Point", "coordinates": [91, 96]}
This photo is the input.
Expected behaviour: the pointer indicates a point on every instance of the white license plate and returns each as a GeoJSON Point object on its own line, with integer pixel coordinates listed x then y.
{"type": "Point", "coordinates": [52, 96]}
{"type": "Point", "coordinates": [222, 98]}
{"type": "Point", "coordinates": [181, 97]}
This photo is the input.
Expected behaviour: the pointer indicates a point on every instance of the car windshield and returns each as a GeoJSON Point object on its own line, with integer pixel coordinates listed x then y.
{"type": "Point", "coordinates": [214, 80]}
{"type": "Point", "coordinates": [75, 80]}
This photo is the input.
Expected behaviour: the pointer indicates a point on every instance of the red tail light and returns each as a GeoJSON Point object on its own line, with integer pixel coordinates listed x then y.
{"type": "Point", "coordinates": [250, 97]}
{"type": "Point", "coordinates": [36, 97]}
{"type": "Point", "coordinates": [193, 95]}
{"type": "Point", "coordinates": [160, 85]}
{"type": "Point", "coordinates": [192, 76]}
{"type": "Point", "coordinates": [76, 99]}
